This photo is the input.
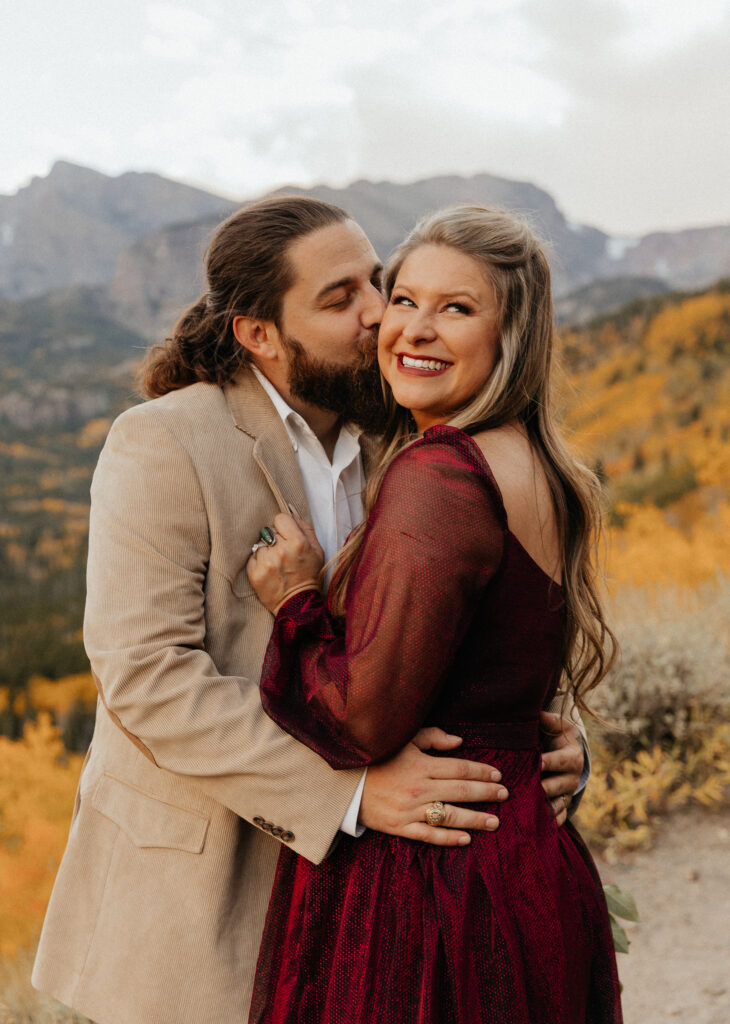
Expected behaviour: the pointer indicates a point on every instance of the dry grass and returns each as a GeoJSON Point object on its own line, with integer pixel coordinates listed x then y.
{"type": "Point", "coordinates": [674, 668]}
{"type": "Point", "coordinates": [669, 706]}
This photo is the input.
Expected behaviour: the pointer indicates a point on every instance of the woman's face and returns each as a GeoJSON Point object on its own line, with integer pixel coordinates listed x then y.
{"type": "Point", "coordinates": [439, 337]}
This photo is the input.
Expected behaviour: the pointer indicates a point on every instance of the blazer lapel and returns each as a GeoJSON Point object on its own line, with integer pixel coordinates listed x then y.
{"type": "Point", "coordinates": [254, 415]}
{"type": "Point", "coordinates": [369, 447]}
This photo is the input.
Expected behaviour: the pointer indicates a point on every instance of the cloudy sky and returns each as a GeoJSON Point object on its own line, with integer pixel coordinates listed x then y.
{"type": "Point", "coordinates": [619, 108]}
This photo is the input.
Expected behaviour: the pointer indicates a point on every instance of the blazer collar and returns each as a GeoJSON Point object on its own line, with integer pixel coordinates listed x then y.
{"type": "Point", "coordinates": [254, 414]}
{"type": "Point", "coordinates": [369, 448]}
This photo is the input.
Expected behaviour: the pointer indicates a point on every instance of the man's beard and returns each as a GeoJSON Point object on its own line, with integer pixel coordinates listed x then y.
{"type": "Point", "coordinates": [354, 392]}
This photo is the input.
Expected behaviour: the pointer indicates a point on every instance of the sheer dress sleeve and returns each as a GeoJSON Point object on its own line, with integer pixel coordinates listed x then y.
{"type": "Point", "coordinates": [357, 689]}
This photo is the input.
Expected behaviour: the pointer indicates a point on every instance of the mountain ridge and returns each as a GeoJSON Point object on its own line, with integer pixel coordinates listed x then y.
{"type": "Point", "coordinates": [78, 226]}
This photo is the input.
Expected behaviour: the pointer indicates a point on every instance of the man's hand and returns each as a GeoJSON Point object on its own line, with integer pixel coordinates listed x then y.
{"type": "Point", "coordinates": [562, 764]}
{"type": "Point", "coordinates": [397, 793]}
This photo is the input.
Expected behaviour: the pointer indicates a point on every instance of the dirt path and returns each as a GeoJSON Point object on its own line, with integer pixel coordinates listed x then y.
{"type": "Point", "coordinates": [678, 968]}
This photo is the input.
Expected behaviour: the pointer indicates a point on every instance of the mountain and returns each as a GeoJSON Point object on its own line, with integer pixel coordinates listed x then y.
{"type": "Point", "coordinates": [602, 297]}
{"type": "Point", "coordinates": [142, 237]}
{"type": "Point", "coordinates": [158, 276]}
{"type": "Point", "coordinates": [70, 227]}
{"type": "Point", "coordinates": [685, 259]}
{"type": "Point", "coordinates": [388, 211]}
{"type": "Point", "coordinates": [162, 273]}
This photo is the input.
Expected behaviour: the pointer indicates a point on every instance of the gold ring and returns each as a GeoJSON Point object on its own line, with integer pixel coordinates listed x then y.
{"type": "Point", "coordinates": [435, 813]}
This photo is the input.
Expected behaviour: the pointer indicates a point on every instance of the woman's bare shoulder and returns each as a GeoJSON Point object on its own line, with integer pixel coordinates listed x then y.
{"type": "Point", "coordinates": [521, 478]}
{"type": "Point", "coordinates": [509, 453]}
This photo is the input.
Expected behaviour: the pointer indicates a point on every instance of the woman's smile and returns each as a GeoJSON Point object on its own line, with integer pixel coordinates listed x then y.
{"type": "Point", "coordinates": [420, 365]}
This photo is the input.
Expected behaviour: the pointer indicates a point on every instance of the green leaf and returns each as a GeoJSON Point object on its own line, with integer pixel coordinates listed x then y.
{"type": "Point", "coordinates": [621, 903]}
{"type": "Point", "coordinates": [620, 938]}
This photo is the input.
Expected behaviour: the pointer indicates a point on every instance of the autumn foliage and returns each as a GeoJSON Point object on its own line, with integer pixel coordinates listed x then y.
{"type": "Point", "coordinates": [37, 785]}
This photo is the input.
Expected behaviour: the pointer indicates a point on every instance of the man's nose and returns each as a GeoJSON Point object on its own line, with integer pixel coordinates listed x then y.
{"type": "Point", "coordinates": [373, 308]}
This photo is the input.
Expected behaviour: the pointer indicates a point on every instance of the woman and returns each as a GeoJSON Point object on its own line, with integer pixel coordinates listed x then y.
{"type": "Point", "coordinates": [464, 598]}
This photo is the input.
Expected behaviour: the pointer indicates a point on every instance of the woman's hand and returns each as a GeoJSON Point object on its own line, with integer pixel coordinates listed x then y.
{"type": "Point", "coordinates": [292, 564]}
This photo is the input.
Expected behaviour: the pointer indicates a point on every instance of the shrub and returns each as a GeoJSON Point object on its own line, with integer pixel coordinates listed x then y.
{"type": "Point", "coordinates": [667, 743]}
{"type": "Point", "coordinates": [671, 676]}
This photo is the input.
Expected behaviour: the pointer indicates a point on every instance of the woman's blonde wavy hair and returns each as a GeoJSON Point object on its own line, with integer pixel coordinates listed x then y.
{"type": "Point", "coordinates": [518, 389]}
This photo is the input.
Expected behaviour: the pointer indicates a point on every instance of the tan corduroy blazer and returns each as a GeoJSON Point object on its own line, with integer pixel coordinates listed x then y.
{"type": "Point", "coordinates": [188, 787]}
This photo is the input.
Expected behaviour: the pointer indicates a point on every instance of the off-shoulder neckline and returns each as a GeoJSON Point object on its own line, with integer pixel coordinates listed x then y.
{"type": "Point", "coordinates": [452, 433]}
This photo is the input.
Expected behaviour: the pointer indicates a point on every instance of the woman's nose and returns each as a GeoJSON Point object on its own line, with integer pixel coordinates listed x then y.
{"type": "Point", "coordinates": [419, 328]}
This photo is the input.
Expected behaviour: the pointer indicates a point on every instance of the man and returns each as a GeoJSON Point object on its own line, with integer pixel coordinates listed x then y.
{"type": "Point", "coordinates": [188, 787]}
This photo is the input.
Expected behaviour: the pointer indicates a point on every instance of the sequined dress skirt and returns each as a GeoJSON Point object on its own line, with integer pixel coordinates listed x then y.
{"type": "Point", "coordinates": [512, 929]}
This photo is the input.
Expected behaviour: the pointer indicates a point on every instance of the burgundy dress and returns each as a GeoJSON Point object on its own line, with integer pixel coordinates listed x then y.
{"type": "Point", "coordinates": [448, 622]}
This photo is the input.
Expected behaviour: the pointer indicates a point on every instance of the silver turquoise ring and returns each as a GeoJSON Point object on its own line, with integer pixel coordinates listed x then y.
{"type": "Point", "coordinates": [268, 539]}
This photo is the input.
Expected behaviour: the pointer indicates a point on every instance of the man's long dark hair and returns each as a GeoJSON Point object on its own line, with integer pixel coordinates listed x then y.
{"type": "Point", "coordinates": [248, 273]}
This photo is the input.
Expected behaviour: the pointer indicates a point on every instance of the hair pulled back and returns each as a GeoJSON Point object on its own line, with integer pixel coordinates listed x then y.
{"type": "Point", "coordinates": [517, 390]}
{"type": "Point", "coordinates": [248, 273]}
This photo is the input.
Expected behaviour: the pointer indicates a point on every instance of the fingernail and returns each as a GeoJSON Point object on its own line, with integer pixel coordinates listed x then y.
{"type": "Point", "coordinates": [464, 840]}
{"type": "Point", "coordinates": [502, 793]}
{"type": "Point", "coordinates": [495, 776]}
{"type": "Point", "coordinates": [492, 821]}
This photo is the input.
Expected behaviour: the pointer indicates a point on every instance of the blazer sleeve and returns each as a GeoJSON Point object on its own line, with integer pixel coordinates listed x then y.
{"type": "Point", "coordinates": [145, 635]}
{"type": "Point", "coordinates": [569, 711]}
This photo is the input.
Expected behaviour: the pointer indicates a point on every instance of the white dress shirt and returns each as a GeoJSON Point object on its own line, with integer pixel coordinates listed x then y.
{"type": "Point", "coordinates": [334, 492]}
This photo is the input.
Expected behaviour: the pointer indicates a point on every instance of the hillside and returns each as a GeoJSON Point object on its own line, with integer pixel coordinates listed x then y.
{"type": "Point", "coordinates": [66, 370]}
{"type": "Point", "coordinates": [648, 401]}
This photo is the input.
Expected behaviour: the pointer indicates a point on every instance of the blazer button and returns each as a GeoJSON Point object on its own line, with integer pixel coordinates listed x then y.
{"type": "Point", "coordinates": [258, 821]}
{"type": "Point", "coordinates": [267, 826]}
{"type": "Point", "coordinates": [277, 831]}
{"type": "Point", "coordinates": [286, 837]}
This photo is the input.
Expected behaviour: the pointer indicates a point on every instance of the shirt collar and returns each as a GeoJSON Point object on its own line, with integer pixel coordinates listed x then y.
{"type": "Point", "coordinates": [293, 421]}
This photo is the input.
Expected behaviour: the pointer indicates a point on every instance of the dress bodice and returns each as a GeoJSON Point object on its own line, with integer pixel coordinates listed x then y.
{"type": "Point", "coordinates": [448, 620]}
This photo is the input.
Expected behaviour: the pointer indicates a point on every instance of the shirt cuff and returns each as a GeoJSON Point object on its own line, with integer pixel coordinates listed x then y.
{"type": "Point", "coordinates": [350, 824]}
{"type": "Point", "coordinates": [585, 774]}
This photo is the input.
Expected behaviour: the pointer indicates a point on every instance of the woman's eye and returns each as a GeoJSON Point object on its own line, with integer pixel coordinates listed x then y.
{"type": "Point", "coordinates": [459, 307]}
{"type": "Point", "coordinates": [401, 300]}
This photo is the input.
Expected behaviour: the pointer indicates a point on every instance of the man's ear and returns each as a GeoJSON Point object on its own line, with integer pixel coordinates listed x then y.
{"type": "Point", "coordinates": [260, 337]}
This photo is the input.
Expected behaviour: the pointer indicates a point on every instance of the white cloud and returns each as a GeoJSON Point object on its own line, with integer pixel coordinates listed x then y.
{"type": "Point", "coordinates": [617, 107]}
